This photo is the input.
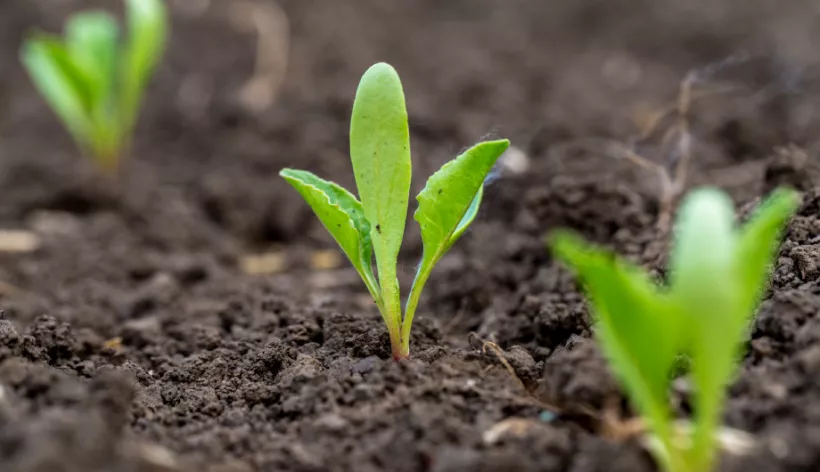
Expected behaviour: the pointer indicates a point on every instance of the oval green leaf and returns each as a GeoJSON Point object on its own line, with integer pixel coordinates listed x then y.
{"type": "Point", "coordinates": [59, 81]}
{"type": "Point", "coordinates": [147, 32]}
{"type": "Point", "coordinates": [91, 41]}
{"type": "Point", "coordinates": [706, 287]}
{"type": "Point", "coordinates": [380, 153]}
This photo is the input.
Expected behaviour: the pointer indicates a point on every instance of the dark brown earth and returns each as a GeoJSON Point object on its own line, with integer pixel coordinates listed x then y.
{"type": "Point", "coordinates": [135, 339]}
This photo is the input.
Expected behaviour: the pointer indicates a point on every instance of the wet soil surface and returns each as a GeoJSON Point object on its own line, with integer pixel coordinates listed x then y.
{"type": "Point", "coordinates": [192, 315]}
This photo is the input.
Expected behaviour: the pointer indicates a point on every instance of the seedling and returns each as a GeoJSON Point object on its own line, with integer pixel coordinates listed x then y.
{"type": "Point", "coordinates": [718, 274]}
{"type": "Point", "coordinates": [380, 153]}
{"type": "Point", "coordinates": [92, 82]}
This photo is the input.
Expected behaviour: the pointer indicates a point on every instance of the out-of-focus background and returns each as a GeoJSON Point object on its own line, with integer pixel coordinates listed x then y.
{"type": "Point", "coordinates": [251, 86]}
{"type": "Point", "coordinates": [193, 313]}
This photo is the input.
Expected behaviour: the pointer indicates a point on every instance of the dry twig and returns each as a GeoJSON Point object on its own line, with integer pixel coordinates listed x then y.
{"type": "Point", "coordinates": [671, 126]}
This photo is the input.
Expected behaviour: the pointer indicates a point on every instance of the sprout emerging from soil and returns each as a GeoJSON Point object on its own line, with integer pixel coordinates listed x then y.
{"type": "Point", "coordinates": [718, 273]}
{"type": "Point", "coordinates": [92, 82]}
{"type": "Point", "coordinates": [380, 153]}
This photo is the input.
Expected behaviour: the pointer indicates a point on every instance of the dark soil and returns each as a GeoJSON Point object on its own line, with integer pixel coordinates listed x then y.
{"type": "Point", "coordinates": [135, 339]}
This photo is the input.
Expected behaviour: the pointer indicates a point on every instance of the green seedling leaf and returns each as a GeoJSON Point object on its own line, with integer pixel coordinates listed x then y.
{"type": "Point", "coordinates": [717, 272]}
{"type": "Point", "coordinates": [467, 220]}
{"type": "Point", "coordinates": [704, 281]}
{"type": "Point", "coordinates": [342, 215]}
{"type": "Point", "coordinates": [91, 41]}
{"type": "Point", "coordinates": [57, 78]}
{"type": "Point", "coordinates": [629, 311]}
{"type": "Point", "coordinates": [449, 195]}
{"type": "Point", "coordinates": [380, 153]}
{"type": "Point", "coordinates": [759, 242]}
{"type": "Point", "coordinates": [447, 205]}
{"type": "Point", "coordinates": [147, 34]}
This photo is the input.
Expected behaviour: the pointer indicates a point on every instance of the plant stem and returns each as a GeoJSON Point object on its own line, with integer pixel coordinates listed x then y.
{"type": "Point", "coordinates": [677, 460]}
{"type": "Point", "coordinates": [105, 148]}
{"type": "Point", "coordinates": [702, 453]}
{"type": "Point", "coordinates": [392, 317]}
{"type": "Point", "coordinates": [666, 442]}
{"type": "Point", "coordinates": [395, 343]}
{"type": "Point", "coordinates": [391, 320]}
{"type": "Point", "coordinates": [410, 308]}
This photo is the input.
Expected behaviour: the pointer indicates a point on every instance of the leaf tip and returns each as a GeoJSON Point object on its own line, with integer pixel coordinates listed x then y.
{"type": "Point", "coordinates": [380, 69]}
{"type": "Point", "coordinates": [705, 208]}
{"type": "Point", "coordinates": [32, 40]}
{"type": "Point", "coordinates": [499, 146]}
{"type": "Point", "coordinates": [290, 175]}
{"type": "Point", "coordinates": [378, 77]}
{"type": "Point", "coordinates": [786, 199]}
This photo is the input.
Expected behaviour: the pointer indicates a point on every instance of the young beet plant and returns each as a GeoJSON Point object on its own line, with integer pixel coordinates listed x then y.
{"type": "Point", "coordinates": [93, 82]}
{"type": "Point", "coordinates": [380, 153]}
{"type": "Point", "coordinates": [718, 274]}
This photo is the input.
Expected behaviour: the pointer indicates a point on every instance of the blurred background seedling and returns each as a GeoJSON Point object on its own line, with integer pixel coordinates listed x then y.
{"type": "Point", "coordinates": [94, 79]}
